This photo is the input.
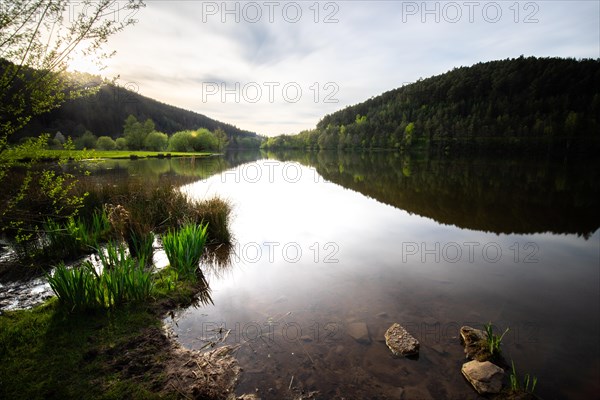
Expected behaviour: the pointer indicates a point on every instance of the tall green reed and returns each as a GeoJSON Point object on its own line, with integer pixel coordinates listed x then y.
{"type": "Point", "coordinates": [184, 249]}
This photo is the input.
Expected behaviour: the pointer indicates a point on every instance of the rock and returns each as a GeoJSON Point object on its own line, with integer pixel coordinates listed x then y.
{"type": "Point", "coordinates": [400, 342]}
{"type": "Point", "coordinates": [473, 339]}
{"type": "Point", "coordinates": [359, 331]}
{"type": "Point", "coordinates": [484, 376]}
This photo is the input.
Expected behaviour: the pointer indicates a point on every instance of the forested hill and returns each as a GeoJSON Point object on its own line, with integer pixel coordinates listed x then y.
{"type": "Point", "coordinates": [544, 103]}
{"type": "Point", "coordinates": [105, 112]}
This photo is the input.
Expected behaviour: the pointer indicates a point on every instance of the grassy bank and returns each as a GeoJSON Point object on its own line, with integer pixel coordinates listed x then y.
{"type": "Point", "coordinates": [50, 353]}
{"type": "Point", "coordinates": [50, 155]}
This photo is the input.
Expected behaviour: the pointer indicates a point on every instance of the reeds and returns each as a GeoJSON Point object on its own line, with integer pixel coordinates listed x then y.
{"type": "Point", "coordinates": [121, 280]}
{"type": "Point", "coordinates": [493, 341]}
{"type": "Point", "coordinates": [529, 383]}
{"type": "Point", "coordinates": [184, 248]}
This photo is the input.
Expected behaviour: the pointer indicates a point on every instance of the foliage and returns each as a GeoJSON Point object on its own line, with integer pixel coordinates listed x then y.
{"type": "Point", "coordinates": [38, 39]}
{"type": "Point", "coordinates": [86, 141]}
{"type": "Point", "coordinates": [121, 280]}
{"type": "Point", "coordinates": [215, 212]}
{"type": "Point", "coordinates": [184, 248]}
{"type": "Point", "coordinates": [199, 140]}
{"type": "Point", "coordinates": [181, 141]}
{"type": "Point", "coordinates": [121, 143]}
{"type": "Point", "coordinates": [156, 141]}
{"type": "Point", "coordinates": [528, 385]}
{"type": "Point", "coordinates": [551, 103]}
{"type": "Point", "coordinates": [222, 138]}
{"type": "Point", "coordinates": [493, 341]}
{"type": "Point", "coordinates": [135, 132]}
{"type": "Point", "coordinates": [106, 143]}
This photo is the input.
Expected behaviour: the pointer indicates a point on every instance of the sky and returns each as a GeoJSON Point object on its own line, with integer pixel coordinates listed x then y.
{"type": "Point", "coordinates": [275, 67]}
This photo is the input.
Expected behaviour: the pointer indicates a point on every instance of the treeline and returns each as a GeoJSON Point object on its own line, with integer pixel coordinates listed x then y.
{"type": "Point", "coordinates": [549, 104]}
{"type": "Point", "coordinates": [138, 135]}
{"type": "Point", "coordinates": [104, 112]}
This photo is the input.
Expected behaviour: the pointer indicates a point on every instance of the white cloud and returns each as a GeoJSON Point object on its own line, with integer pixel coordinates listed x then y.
{"type": "Point", "coordinates": [180, 47]}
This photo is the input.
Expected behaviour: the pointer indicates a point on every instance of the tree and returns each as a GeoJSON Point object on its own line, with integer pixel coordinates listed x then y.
{"type": "Point", "coordinates": [121, 143]}
{"type": "Point", "coordinates": [38, 39]}
{"type": "Point", "coordinates": [181, 141]}
{"type": "Point", "coordinates": [105, 143]}
{"type": "Point", "coordinates": [222, 138]}
{"type": "Point", "coordinates": [136, 132]}
{"type": "Point", "coordinates": [156, 141]}
{"type": "Point", "coordinates": [203, 140]}
{"type": "Point", "coordinates": [86, 141]}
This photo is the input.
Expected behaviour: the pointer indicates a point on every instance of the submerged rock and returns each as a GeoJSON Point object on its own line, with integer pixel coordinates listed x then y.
{"type": "Point", "coordinates": [400, 342]}
{"type": "Point", "coordinates": [484, 376]}
{"type": "Point", "coordinates": [359, 332]}
{"type": "Point", "coordinates": [474, 341]}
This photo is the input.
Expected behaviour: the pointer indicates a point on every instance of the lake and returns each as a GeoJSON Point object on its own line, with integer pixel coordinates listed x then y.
{"type": "Point", "coordinates": [329, 243]}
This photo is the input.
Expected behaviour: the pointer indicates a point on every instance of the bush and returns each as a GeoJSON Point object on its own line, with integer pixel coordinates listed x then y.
{"type": "Point", "coordinates": [105, 143]}
{"type": "Point", "coordinates": [121, 143]}
{"type": "Point", "coordinates": [86, 141]}
{"type": "Point", "coordinates": [181, 141]}
{"type": "Point", "coordinates": [156, 141]}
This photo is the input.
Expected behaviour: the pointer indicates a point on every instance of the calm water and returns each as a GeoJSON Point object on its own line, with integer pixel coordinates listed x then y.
{"type": "Point", "coordinates": [324, 241]}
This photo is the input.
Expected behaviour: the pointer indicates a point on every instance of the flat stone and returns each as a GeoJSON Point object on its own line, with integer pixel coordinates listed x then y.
{"type": "Point", "coordinates": [359, 332]}
{"type": "Point", "coordinates": [484, 376]}
{"type": "Point", "coordinates": [400, 342]}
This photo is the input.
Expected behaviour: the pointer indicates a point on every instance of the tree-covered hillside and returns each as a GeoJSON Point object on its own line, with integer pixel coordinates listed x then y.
{"type": "Point", "coordinates": [548, 104]}
{"type": "Point", "coordinates": [104, 114]}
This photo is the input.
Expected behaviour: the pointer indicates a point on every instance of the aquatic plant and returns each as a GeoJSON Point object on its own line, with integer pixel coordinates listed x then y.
{"type": "Point", "coordinates": [184, 248]}
{"type": "Point", "coordinates": [529, 383]}
{"type": "Point", "coordinates": [121, 280]}
{"type": "Point", "coordinates": [215, 212]}
{"type": "Point", "coordinates": [76, 288]}
{"type": "Point", "coordinates": [493, 341]}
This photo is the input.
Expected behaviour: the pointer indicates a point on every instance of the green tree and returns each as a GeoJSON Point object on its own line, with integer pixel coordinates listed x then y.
{"type": "Point", "coordinates": [222, 138]}
{"type": "Point", "coordinates": [136, 132]}
{"type": "Point", "coordinates": [181, 141]}
{"type": "Point", "coordinates": [121, 143]}
{"type": "Point", "coordinates": [204, 140]}
{"type": "Point", "coordinates": [38, 39]}
{"type": "Point", "coordinates": [86, 141]}
{"type": "Point", "coordinates": [105, 143]}
{"type": "Point", "coordinates": [156, 141]}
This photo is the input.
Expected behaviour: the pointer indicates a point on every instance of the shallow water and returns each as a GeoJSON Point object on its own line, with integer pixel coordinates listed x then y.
{"type": "Point", "coordinates": [312, 257]}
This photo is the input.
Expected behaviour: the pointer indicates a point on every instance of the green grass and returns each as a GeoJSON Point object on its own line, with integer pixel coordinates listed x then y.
{"type": "Point", "coordinates": [493, 341]}
{"type": "Point", "coordinates": [184, 248]}
{"type": "Point", "coordinates": [47, 353]}
{"type": "Point", "coordinates": [528, 385]}
{"type": "Point", "coordinates": [122, 280]}
{"type": "Point", "coordinates": [111, 154]}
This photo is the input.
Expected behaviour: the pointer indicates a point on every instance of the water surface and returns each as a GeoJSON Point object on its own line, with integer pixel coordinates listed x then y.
{"type": "Point", "coordinates": [325, 241]}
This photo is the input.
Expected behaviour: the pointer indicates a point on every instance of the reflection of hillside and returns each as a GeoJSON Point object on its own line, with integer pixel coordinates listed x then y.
{"type": "Point", "coordinates": [180, 171]}
{"type": "Point", "coordinates": [489, 195]}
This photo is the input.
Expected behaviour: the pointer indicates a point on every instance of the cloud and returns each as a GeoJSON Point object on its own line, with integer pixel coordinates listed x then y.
{"type": "Point", "coordinates": [368, 47]}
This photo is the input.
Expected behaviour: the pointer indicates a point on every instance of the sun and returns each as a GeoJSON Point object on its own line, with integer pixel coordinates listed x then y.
{"type": "Point", "coordinates": [82, 63]}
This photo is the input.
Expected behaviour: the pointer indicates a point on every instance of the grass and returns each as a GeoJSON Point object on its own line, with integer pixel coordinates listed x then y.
{"type": "Point", "coordinates": [528, 385]}
{"type": "Point", "coordinates": [184, 248]}
{"type": "Point", "coordinates": [122, 280]}
{"type": "Point", "coordinates": [48, 353]}
{"type": "Point", "coordinates": [493, 341]}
